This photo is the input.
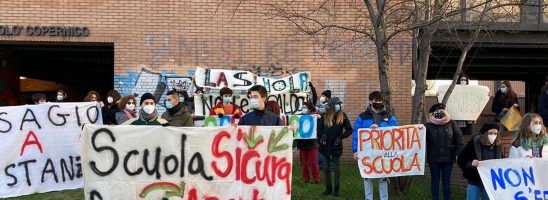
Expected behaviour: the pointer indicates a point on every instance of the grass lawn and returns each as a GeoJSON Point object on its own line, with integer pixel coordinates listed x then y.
{"type": "Point", "coordinates": [351, 188]}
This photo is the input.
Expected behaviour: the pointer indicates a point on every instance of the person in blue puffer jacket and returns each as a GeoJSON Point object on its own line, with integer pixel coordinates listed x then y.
{"type": "Point", "coordinates": [374, 116]}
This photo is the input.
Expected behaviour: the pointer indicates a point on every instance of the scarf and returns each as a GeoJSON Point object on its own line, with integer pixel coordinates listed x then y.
{"type": "Point", "coordinates": [148, 117]}
{"type": "Point", "coordinates": [442, 121]}
{"type": "Point", "coordinates": [175, 109]}
{"type": "Point", "coordinates": [130, 112]}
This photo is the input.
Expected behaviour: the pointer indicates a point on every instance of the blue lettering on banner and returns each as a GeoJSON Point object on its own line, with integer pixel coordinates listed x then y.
{"type": "Point", "coordinates": [512, 177]}
{"type": "Point", "coordinates": [306, 122]}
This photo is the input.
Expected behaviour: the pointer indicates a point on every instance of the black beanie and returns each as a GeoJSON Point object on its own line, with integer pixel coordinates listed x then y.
{"type": "Point", "coordinates": [147, 96]}
{"type": "Point", "coordinates": [327, 93]}
{"type": "Point", "coordinates": [488, 126]}
{"type": "Point", "coordinates": [437, 107]}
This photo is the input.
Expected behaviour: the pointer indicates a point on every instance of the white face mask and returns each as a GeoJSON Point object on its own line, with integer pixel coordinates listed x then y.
{"type": "Point", "coordinates": [322, 99]}
{"type": "Point", "coordinates": [536, 128]}
{"type": "Point", "coordinates": [463, 82]}
{"type": "Point", "coordinates": [59, 97]}
{"type": "Point", "coordinates": [110, 99]}
{"type": "Point", "coordinates": [492, 138]}
{"type": "Point", "coordinates": [255, 103]}
{"type": "Point", "coordinates": [130, 106]}
{"type": "Point", "coordinates": [149, 109]}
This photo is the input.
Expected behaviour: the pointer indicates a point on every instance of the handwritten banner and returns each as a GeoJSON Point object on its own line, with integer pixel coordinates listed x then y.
{"type": "Point", "coordinates": [243, 80]}
{"type": "Point", "coordinates": [40, 146]}
{"type": "Point", "coordinates": [183, 83]}
{"type": "Point", "coordinates": [306, 124]}
{"type": "Point", "coordinates": [466, 101]}
{"type": "Point", "coordinates": [519, 178]}
{"type": "Point", "coordinates": [290, 103]}
{"type": "Point", "coordinates": [154, 162]}
{"type": "Point", "coordinates": [392, 151]}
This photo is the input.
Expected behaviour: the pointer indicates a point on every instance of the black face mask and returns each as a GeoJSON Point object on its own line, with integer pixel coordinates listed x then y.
{"type": "Point", "coordinates": [439, 115]}
{"type": "Point", "coordinates": [376, 106]}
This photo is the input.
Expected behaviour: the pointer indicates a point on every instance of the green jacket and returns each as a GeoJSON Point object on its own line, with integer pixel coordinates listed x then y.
{"type": "Point", "coordinates": [179, 119]}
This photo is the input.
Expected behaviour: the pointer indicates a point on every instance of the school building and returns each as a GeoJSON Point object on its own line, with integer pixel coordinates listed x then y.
{"type": "Point", "coordinates": [98, 45]}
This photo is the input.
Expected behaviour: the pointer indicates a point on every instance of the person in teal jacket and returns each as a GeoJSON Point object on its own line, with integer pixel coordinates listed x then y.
{"type": "Point", "coordinates": [374, 116]}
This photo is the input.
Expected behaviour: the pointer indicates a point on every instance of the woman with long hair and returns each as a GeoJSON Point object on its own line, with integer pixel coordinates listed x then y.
{"type": "Point", "coordinates": [334, 127]}
{"type": "Point", "coordinates": [531, 140]}
{"type": "Point", "coordinates": [505, 98]}
{"type": "Point", "coordinates": [127, 106]}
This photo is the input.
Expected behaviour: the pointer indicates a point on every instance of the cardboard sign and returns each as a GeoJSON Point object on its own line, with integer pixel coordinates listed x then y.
{"type": "Point", "coordinates": [290, 103]}
{"type": "Point", "coordinates": [306, 124]}
{"type": "Point", "coordinates": [511, 119]}
{"type": "Point", "coordinates": [515, 178]}
{"type": "Point", "coordinates": [466, 101]}
{"type": "Point", "coordinates": [243, 80]}
{"type": "Point", "coordinates": [40, 146]}
{"type": "Point", "coordinates": [392, 151]}
{"type": "Point", "coordinates": [154, 162]}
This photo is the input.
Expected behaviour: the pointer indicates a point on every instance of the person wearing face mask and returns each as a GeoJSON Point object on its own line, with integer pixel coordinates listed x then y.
{"type": "Point", "coordinates": [109, 111]}
{"type": "Point", "coordinates": [466, 127]}
{"type": "Point", "coordinates": [94, 96]}
{"type": "Point", "coordinates": [484, 146]}
{"type": "Point", "coordinates": [260, 116]}
{"type": "Point", "coordinates": [148, 115]}
{"type": "Point", "coordinates": [543, 102]}
{"type": "Point", "coordinates": [324, 99]}
{"type": "Point", "coordinates": [61, 96]}
{"type": "Point", "coordinates": [531, 140]}
{"type": "Point", "coordinates": [375, 116]}
{"type": "Point", "coordinates": [176, 114]}
{"type": "Point", "coordinates": [504, 99]}
{"type": "Point", "coordinates": [127, 105]}
{"type": "Point", "coordinates": [444, 142]}
{"type": "Point", "coordinates": [39, 98]}
{"type": "Point", "coordinates": [308, 150]}
{"type": "Point", "coordinates": [226, 107]}
{"type": "Point", "coordinates": [332, 129]}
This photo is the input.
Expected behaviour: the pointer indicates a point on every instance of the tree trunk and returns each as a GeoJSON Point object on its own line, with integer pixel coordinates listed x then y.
{"type": "Point", "coordinates": [384, 80]}
{"type": "Point", "coordinates": [424, 49]}
{"type": "Point", "coordinates": [458, 71]}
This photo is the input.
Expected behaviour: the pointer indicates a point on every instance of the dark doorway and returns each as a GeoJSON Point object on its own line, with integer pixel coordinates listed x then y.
{"type": "Point", "coordinates": [27, 68]}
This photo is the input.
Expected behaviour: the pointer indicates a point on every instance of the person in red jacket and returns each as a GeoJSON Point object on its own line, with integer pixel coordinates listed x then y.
{"type": "Point", "coordinates": [226, 107]}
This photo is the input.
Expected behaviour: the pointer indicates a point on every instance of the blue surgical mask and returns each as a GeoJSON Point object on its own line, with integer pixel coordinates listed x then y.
{"type": "Point", "coordinates": [504, 90]}
{"type": "Point", "coordinates": [181, 99]}
{"type": "Point", "coordinates": [254, 103]}
{"type": "Point", "coordinates": [169, 105]}
{"type": "Point", "coordinates": [226, 100]}
{"type": "Point", "coordinates": [337, 107]}
{"type": "Point", "coordinates": [305, 111]}
{"type": "Point", "coordinates": [322, 109]}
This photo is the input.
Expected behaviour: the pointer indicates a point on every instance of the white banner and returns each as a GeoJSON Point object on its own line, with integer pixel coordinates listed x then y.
{"type": "Point", "coordinates": [306, 125]}
{"type": "Point", "coordinates": [243, 80]}
{"type": "Point", "coordinates": [392, 151]}
{"type": "Point", "coordinates": [154, 162]}
{"type": "Point", "coordinates": [466, 101]}
{"type": "Point", "coordinates": [40, 146]}
{"type": "Point", "coordinates": [515, 178]}
{"type": "Point", "coordinates": [182, 83]}
{"type": "Point", "coordinates": [290, 103]}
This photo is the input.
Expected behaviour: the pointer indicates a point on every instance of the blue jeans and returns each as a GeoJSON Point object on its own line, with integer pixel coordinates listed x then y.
{"type": "Point", "coordinates": [474, 193]}
{"type": "Point", "coordinates": [444, 170]}
{"type": "Point", "coordinates": [383, 188]}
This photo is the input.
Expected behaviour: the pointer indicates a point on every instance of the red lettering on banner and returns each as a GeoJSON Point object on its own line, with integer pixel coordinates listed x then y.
{"type": "Point", "coordinates": [28, 142]}
{"type": "Point", "coordinates": [217, 154]}
{"type": "Point", "coordinates": [222, 79]}
{"type": "Point", "coordinates": [403, 138]}
{"type": "Point", "coordinates": [372, 167]}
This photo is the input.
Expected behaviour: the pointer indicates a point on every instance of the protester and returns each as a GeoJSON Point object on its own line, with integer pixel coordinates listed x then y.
{"type": "Point", "coordinates": [226, 107]}
{"type": "Point", "coordinates": [61, 96]}
{"type": "Point", "coordinates": [127, 106]}
{"type": "Point", "coordinates": [185, 100]}
{"type": "Point", "coordinates": [484, 146]}
{"type": "Point", "coordinates": [324, 98]}
{"type": "Point", "coordinates": [531, 140]}
{"type": "Point", "coordinates": [466, 127]}
{"type": "Point", "coordinates": [259, 116]}
{"type": "Point", "coordinates": [334, 127]}
{"type": "Point", "coordinates": [375, 116]}
{"type": "Point", "coordinates": [504, 99]}
{"type": "Point", "coordinates": [444, 142]}
{"type": "Point", "coordinates": [109, 111]}
{"type": "Point", "coordinates": [176, 114]}
{"type": "Point", "coordinates": [148, 115]}
{"type": "Point", "coordinates": [94, 96]}
{"type": "Point", "coordinates": [39, 98]}
{"type": "Point", "coordinates": [308, 150]}
{"type": "Point", "coordinates": [312, 96]}
{"type": "Point", "coordinates": [543, 103]}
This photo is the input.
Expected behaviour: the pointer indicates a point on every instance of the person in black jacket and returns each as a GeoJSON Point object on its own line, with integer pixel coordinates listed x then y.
{"type": "Point", "coordinates": [334, 127]}
{"type": "Point", "coordinates": [504, 99]}
{"type": "Point", "coordinates": [444, 142]}
{"type": "Point", "coordinates": [484, 146]}
{"type": "Point", "coordinates": [260, 116]}
{"type": "Point", "coordinates": [308, 151]}
{"type": "Point", "coordinates": [109, 111]}
{"type": "Point", "coordinates": [543, 102]}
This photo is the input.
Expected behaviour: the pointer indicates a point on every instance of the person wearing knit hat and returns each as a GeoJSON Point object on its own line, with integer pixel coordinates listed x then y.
{"type": "Point", "coordinates": [484, 146]}
{"type": "Point", "coordinates": [148, 115]}
{"type": "Point", "coordinates": [444, 142]}
{"type": "Point", "coordinates": [324, 99]}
